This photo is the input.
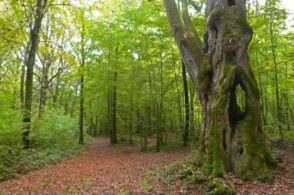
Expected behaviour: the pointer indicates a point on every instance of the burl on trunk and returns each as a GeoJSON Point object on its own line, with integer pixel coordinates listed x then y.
{"type": "Point", "coordinates": [232, 138]}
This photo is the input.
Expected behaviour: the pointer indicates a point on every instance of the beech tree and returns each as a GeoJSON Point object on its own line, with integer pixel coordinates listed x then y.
{"type": "Point", "coordinates": [30, 63]}
{"type": "Point", "coordinates": [186, 94]}
{"type": "Point", "coordinates": [232, 137]}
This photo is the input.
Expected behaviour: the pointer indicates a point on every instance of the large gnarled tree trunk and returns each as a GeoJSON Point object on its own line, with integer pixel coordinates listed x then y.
{"type": "Point", "coordinates": [232, 138]}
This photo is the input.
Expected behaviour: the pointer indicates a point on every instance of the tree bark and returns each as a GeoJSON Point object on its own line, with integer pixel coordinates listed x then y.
{"type": "Point", "coordinates": [44, 89]}
{"type": "Point", "coordinates": [279, 111]}
{"type": "Point", "coordinates": [192, 117]}
{"type": "Point", "coordinates": [30, 63]}
{"type": "Point", "coordinates": [81, 116]}
{"type": "Point", "coordinates": [159, 108]}
{"type": "Point", "coordinates": [232, 139]}
{"type": "Point", "coordinates": [23, 75]}
{"type": "Point", "coordinates": [22, 82]}
{"type": "Point", "coordinates": [113, 136]}
{"type": "Point", "coordinates": [187, 114]}
{"type": "Point", "coordinates": [131, 114]}
{"type": "Point", "coordinates": [82, 80]}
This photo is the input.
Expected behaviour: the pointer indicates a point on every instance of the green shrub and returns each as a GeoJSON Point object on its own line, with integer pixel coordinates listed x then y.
{"type": "Point", "coordinates": [53, 138]}
{"type": "Point", "coordinates": [54, 130]}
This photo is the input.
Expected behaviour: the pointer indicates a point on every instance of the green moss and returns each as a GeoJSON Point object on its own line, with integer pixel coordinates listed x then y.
{"type": "Point", "coordinates": [270, 160]}
{"type": "Point", "coordinates": [204, 78]}
{"type": "Point", "coordinates": [215, 16]}
{"type": "Point", "coordinates": [216, 153]}
{"type": "Point", "coordinates": [187, 172]}
{"type": "Point", "coordinates": [251, 165]}
{"type": "Point", "coordinates": [219, 186]}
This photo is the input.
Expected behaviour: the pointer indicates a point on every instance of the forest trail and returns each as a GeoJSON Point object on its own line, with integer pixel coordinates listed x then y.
{"type": "Point", "coordinates": [105, 170]}
{"type": "Point", "coordinates": [101, 169]}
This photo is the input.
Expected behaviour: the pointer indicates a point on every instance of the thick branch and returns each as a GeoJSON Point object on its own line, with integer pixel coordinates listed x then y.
{"type": "Point", "coordinates": [187, 40]}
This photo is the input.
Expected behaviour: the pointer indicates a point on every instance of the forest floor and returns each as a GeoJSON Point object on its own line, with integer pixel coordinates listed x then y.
{"type": "Point", "coordinates": [105, 170]}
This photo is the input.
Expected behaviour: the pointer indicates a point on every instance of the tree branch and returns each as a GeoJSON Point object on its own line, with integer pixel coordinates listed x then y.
{"type": "Point", "coordinates": [187, 40]}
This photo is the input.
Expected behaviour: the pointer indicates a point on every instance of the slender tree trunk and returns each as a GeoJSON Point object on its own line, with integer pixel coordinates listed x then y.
{"type": "Point", "coordinates": [263, 113]}
{"type": "Point", "coordinates": [290, 113]}
{"type": "Point", "coordinates": [44, 89]}
{"type": "Point", "coordinates": [81, 116]}
{"type": "Point", "coordinates": [34, 41]}
{"type": "Point", "coordinates": [187, 114]}
{"type": "Point", "coordinates": [277, 90]}
{"type": "Point", "coordinates": [113, 136]}
{"type": "Point", "coordinates": [179, 106]}
{"type": "Point", "coordinates": [160, 125]}
{"type": "Point", "coordinates": [192, 115]}
{"type": "Point", "coordinates": [83, 56]}
{"type": "Point", "coordinates": [232, 139]}
{"type": "Point", "coordinates": [96, 126]}
{"type": "Point", "coordinates": [22, 82]}
{"type": "Point", "coordinates": [56, 93]}
{"type": "Point", "coordinates": [142, 130]}
{"type": "Point", "coordinates": [73, 104]}
{"type": "Point", "coordinates": [23, 75]}
{"type": "Point", "coordinates": [131, 117]}
{"type": "Point", "coordinates": [109, 112]}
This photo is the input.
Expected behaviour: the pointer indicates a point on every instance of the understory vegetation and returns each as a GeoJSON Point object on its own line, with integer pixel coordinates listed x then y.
{"type": "Point", "coordinates": [190, 174]}
{"type": "Point", "coordinates": [53, 139]}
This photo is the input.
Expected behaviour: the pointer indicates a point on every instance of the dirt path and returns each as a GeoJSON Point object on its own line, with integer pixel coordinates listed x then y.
{"type": "Point", "coordinates": [105, 170]}
{"type": "Point", "coordinates": [100, 170]}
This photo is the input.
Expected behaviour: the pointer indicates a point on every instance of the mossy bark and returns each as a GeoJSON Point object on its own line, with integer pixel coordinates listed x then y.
{"type": "Point", "coordinates": [232, 139]}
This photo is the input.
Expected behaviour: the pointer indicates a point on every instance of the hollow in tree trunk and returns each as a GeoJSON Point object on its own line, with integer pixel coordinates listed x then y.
{"type": "Point", "coordinates": [232, 138]}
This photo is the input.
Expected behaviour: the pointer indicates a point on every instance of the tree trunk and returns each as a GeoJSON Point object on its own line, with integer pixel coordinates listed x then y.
{"type": "Point", "coordinates": [186, 126]}
{"type": "Point", "coordinates": [131, 116]}
{"type": "Point", "coordinates": [44, 89]}
{"type": "Point", "coordinates": [56, 89]}
{"type": "Point", "coordinates": [192, 117]}
{"type": "Point", "coordinates": [22, 82]}
{"type": "Point", "coordinates": [23, 74]}
{"type": "Point", "coordinates": [113, 137]}
{"type": "Point", "coordinates": [232, 138]}
{"type": "Point", "coordinates": [180, 118]}
{"type": "Point", "coordinates": [160, 123]}
{"type": "Point", "coordinates": [81, 116]}
{"type": "Point", "coordinates": [82, 80]}
{"type": "Point", "coordinates": [56, 93]}
{"type": "Point", "coordinates": [34, 41]}
{"type": "Point", "coordinates": [83, 57]}
{"type": "Point", "coordinates": [279, 111]}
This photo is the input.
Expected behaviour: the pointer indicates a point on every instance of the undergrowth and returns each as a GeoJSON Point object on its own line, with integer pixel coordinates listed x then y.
{"type": "Point", "coordinates": [15, 161]}
{"type": "Point", "coordinates": [190, 174]}
{"type": "Point", "coordinates": [50, 143]}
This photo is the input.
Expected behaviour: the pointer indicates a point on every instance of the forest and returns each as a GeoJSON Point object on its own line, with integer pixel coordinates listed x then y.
{"type": "Point", "coordinates": [146, 97]}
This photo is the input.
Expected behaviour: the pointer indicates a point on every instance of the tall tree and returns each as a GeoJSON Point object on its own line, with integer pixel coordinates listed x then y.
{"type": "Point", "coordinates": [187, 114]}
{"type": "Point", "coordinates": [30, 63]}
{"type": "Point", "coordinates": [82, 79]}
{"type": "Point", "coordinates": [232, 138]}
{"type": "Point", "coordinates": [279, 112]}
{"type": "Point", "coordinates": [113, 131]}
